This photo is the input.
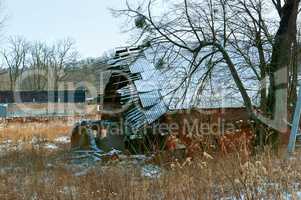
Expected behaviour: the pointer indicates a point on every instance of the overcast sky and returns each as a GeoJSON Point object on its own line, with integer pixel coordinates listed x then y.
{"type": "Point", "coordinates": [88, 22]}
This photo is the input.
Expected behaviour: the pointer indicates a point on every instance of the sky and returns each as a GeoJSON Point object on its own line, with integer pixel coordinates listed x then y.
{"type": "Point", "coordinates": [88, 22]}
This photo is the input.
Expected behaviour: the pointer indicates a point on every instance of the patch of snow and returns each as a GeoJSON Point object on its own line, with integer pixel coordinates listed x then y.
{"type": "Point", "coordinates": [92, 141]}
{"type": "Point", "coordinates": [82, 173]}
{"type": "Point", "coordinates": [4, 170]}
{"type": "Point", "coordinates": [140, 157]}
{"type": "Point", "coordinates": [34, 196]}
{"type": "Point", "coordinates": [151, 171]}
{"type": "Point", "coordinates": [34, 140]}
{"type": "Point", "coordinates": [69, 190]}
{"type": "Point", "coordinates": [113, 152]}
{"type": "Point", "coordinates": [7, 142]}
{"type": "Point", "coordinates": [289, 196]}
{"type": "Point", "coordinates": [5, 146]}
{"type": "Point", "coordinates": [49, 165]}
{"type": "Point", "coordinates": [50, 146]}
{"type": "Point", "coordinates": [63, 140]}
{"type": "Point", "coordinates": [87, 156]}
{"type": "Point", "coordinates": [96, 159]}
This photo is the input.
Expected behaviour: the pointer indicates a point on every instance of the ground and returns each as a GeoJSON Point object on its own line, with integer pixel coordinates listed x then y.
{"type": "Point", "coordinates": [36, 163]}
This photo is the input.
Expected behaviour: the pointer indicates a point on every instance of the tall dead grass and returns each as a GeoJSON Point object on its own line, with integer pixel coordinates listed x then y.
{"type": "Point", "coordinates": [27, 131]}
{"type": "Point", "coordinates": [37, 173]}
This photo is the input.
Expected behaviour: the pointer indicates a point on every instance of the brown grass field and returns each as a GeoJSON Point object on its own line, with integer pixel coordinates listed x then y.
{"type": "Point", "coordinates": [25, 132]}
{"type": "Point", "coordinates": [35, 172]}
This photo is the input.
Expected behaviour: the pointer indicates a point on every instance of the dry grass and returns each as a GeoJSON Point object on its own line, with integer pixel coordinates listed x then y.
{"type": "Point", "coordinates": [27, 131]}
{"type": "Point", "coordinates": [38, 173]}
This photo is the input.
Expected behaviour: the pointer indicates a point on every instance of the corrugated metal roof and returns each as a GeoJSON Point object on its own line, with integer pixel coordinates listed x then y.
{"type": "Point", "coordinates": [146, 85]}
{"type": "Point", "coordinates": [155, 112]}
{"type": "Point", "coordinates": [136, 118]}
{"type": "Point", "coordinates": [145, 90]}
{"type": "Point", "coordinates": [151, 75]}
{"type": "Point", "coordinates": [141, 65]}
{"type": "Point", "coordinates": [149, 98]}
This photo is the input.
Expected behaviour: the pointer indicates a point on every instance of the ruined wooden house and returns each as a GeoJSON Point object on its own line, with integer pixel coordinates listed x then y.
{"type": "Point", "coordinates": [134, 106]}
{"type": "Point", "coordinates": [132, 101]}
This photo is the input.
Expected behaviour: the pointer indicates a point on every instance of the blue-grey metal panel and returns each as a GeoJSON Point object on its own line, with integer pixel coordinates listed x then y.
{"type": "Point", "coordinates": [150, 74]}
{"type": "Point", "coordinates": [146, 85]}
{"type": "Point", "coordinates": [141, 65]}
{"type": "Point", "coordinates": [150, 98]}
{"type": "Point", "coordinates": [145, 90]}
{"type": "Point", "coordinates": [155, 112]}
{"type": "Point", "coordinates": [295, 128]}
{"type": "Point", "coordinates": [136, 118]}
{"type": "Point", "coordinates": [3, 111]}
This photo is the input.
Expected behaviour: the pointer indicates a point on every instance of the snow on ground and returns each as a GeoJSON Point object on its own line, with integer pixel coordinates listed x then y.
{"type": "Point", "coordinates": [285, 196]}
{"type": "Point", "coordinates": [63, 140]}
{"type": "Point", "coordinates": [9, 146]}
{"type": "Point", "coordinates": [50, 146]}
{"type": "Point", "coordinates": [114, 152]}
{"type": "Point", "coordinates": [151, 171]}
{"type": "Point", "coordinates": [82, 162]}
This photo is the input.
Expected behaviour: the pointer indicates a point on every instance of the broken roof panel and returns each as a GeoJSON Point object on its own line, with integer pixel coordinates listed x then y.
{"type": "Point", "coordinates": [146, 85]}
{"type": "Point", "coordinates": [141, 65]}
{"type": "Point", "coordinates": [151, 75]}
{"type": "Point", "coordinates": [136, 118]}
{"type": "Point", "coordinates": [144, 93]}
{"type": "Point", "coordinates": [155, 112]}
{"type": "Point", "coordinates": [149, 98]}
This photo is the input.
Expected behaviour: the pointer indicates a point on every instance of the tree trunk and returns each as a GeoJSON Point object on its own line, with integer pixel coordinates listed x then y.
{"type": "Point", "coordinates": [293, 80]}
{"type": "Point", "coordinates": [280, 66]}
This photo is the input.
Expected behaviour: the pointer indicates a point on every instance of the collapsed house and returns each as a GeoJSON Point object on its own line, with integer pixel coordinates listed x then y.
{"type": "Point", "coordinates": [137, 89]}
{"type": "Point", "coordinates": [132, 102]}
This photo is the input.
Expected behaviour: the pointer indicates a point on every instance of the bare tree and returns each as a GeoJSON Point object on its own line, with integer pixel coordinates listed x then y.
{"type": "Point", "coordinates": [15, 58]}
{"type": "Point", "coordinates": [63, 53]}
{"type": "Point", "coordinates": [214, 35]}
{"type": "Point", "coordinates": [40, 59]}
{"type": "Point", "coordinates": [45, 64]}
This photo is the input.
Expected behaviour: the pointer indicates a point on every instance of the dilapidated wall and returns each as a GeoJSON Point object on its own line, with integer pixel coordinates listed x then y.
{"type": "Point", "coordinates": [218, 120]}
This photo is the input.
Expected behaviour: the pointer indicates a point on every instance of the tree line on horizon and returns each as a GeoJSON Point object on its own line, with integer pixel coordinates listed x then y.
{"type": "Point", "coordinates": [31, 66]}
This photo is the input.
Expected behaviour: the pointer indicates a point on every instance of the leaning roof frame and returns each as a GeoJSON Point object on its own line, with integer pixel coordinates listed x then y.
{"type": "Point", "coordinates": [143, 92]}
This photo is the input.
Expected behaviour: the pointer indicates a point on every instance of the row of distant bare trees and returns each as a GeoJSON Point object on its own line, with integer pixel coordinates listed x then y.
{"type": "Point", "coordinates": [33, 65]}
{"type": "Point", "coordinates": [252, 43]}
